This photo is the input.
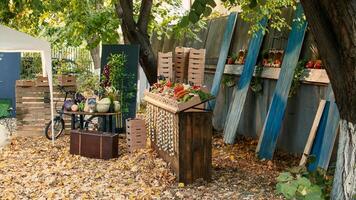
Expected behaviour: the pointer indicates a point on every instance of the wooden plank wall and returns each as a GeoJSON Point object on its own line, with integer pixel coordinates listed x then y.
{"type": "Point", "coordinates": [273, 122]}
{"type": "Point", "coordinates": [239, 97]}
{"type": "Point", "coordinates": [33, 109]}
{"type": "Point", "coordinates": [301, 107]}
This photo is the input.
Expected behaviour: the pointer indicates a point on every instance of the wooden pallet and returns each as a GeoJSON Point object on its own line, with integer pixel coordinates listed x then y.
{"type": "Point", "coordinates": [33, 109]}
{"type": "Point", "coordinates": [196, 66]}
{"type": "Point", "coordinates": [181, 60]}
{"type": "Point", "coordinates": [41, 81]}
{"type": "Point", "coordinates": [165, 65]}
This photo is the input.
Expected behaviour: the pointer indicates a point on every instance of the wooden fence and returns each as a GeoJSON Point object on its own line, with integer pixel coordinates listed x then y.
{"type": "Point", "coordinates": [33, 108]}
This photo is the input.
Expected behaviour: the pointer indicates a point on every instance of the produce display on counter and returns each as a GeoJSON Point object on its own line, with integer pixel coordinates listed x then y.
{"type": "Point", "coordinates": [179, 92]}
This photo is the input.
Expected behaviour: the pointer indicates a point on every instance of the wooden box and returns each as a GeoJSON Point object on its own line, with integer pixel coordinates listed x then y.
{"type": "Point", "coordinates": [181, 60]}
{"type": "Point", "coordinates": [196, 67]}
{"type": "Point", "coordinates": [135, 134]}
{"type": "Point", "coordinates": [189, 136]}
{"type": "Point", "coordinates": [170, 104]}
{"type": "Point", "coordinates": [94, 144]}
{"type": "Point", "coordinates": [41, 81]}
{"type": "Point", "coordinates": [66, 80]}
{"type": "Point", "coordinates": [25, 83]}
{"type": "Point", "coordinates": [165, 65]}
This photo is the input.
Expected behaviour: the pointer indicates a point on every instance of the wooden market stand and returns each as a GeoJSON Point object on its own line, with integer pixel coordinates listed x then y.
{"type": "Point", "coordinates": [181, 136]}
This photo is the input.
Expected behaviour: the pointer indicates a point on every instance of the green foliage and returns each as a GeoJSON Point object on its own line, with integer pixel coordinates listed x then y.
{"type": "Point", "coordinates": [123, 82]}
{"type": "Point", "coordinates": [298, 183]}
{"type": "Point", "coordinates": [253, 11]}
{"type": "Point", "coordinates": [299, 73]}
{"type": "Point", "coordinates": [5, 104]}
{"type": "Point", "coordinates": [31, 65]}
{"type": "Point", "coordinates": [256, 82]}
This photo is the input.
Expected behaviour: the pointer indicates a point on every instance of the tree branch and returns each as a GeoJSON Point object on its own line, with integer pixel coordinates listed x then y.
{"type": "Point", "coordinates": [144, 17]}
{"type": "Point", "coordinates": [125, 12]}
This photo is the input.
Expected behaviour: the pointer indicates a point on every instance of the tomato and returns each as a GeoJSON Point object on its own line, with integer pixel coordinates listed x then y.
{"type": "Point", "coordinates": [169, 83]}
{"type": "Point", "coordinates": [178, 88]}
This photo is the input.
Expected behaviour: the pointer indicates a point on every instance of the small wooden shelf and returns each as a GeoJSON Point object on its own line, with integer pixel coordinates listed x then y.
{"type": "Point", "coordinates": [312, 76]}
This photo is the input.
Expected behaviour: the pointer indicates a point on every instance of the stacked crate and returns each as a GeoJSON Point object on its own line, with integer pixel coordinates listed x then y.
{"type": "Point", "coordinates": [181, 60]}
{"type": "Point", "coordinates": [165, 66]}
{"type": "Point", "coordinates": [196, 66]}
{"type": "Point", "coordinates": [135, 134]}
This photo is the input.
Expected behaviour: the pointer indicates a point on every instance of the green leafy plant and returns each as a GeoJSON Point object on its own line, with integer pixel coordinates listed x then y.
{"type": "Point", "coordinates": [114, 75]}
{"type": "Point", "coordinates": [299, 73]}
{"type": "Point", "coordinates": [228, 80]}
{"type": "Point", "coordinates": [31, 65]}
{"type": "Point", "coordinates": [256, 82]}
{"type": "Point", "coordinates": [298, 183]}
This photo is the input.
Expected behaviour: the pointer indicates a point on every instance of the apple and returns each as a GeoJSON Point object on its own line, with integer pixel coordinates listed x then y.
{"type": "Point", "coordinates": [310, 64]}
{"type": "Point", "coordinates": [318, 64]}
{"type": "Point", "coordinates": [230, 61]}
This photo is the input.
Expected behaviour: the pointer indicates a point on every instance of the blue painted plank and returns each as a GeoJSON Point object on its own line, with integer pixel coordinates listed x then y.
{"type": "Point", "coordinates": [225, 46]}
{"type": "Point", "coordinates": [273, 122]}
{"type": "Point", "coordinates": [323, 147]}
{"type": "Point", "coordinates": [240, 92]}
{"type": "Point", "coordinates": [319, 137]}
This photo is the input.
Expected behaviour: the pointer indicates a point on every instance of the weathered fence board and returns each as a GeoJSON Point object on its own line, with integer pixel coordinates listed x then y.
{"type": "Point", "coordinates": [312, 133]}
{"type": "Point", "coordinates": [326, 134]}
{"type": "Point", "coordinates": [239, 97]}
{"type": "Point", "coordinates": [225, 46]}
{"type": "Point", "coordinates": [272, 125]}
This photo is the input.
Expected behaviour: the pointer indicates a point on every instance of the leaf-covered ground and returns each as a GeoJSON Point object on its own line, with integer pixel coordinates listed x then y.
{"type": "Point", "coordinates": [31, 168]}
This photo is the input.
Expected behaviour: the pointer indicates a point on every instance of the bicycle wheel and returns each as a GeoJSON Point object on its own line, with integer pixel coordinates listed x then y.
{"type": "Point", "coordinates": [58, 128]}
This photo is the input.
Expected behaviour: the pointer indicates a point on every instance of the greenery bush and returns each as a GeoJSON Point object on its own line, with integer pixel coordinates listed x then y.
{"type": "Point", "coordinates": [297, 183]}
{"type": "Point", "coordinates": [31, 65]}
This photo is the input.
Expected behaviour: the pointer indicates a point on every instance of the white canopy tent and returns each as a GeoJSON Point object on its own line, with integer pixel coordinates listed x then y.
{"type": "Point", "coordinates": [15, 41]}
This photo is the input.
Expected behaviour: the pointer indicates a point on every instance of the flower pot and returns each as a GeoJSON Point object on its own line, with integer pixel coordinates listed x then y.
{"type": "Point", "coordinates": [117, 106]}
{"type": "Point", "coordinates": [103, 107]}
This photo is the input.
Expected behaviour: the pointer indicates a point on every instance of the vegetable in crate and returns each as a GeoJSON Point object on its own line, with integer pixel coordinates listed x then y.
{"type": "Point", "coordinates": [179, 92]}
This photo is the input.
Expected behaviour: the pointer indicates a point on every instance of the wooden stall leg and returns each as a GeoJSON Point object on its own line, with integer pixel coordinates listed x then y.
{"type": "Point", "coordinates": [72, 122]}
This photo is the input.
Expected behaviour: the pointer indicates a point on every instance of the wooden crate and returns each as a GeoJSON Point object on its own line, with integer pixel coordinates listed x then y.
{"type": "Point", "coordinates": [169, 104]}
{"type": "Point", "coordinates": [41, 81]}
{"type": "Point", "coordinates": [165, 65]}
{"type": "Point", "coordinates": [66, 80]}
{"type": "Point", "coordinates": [135, 134]}
{"type": "Point", "coordinates": [196, 66]}
{"type": "Point", "coordinates": [33, 110]}
{"type": "Point", "coordinates": [188, 148]}
{"type": "Point", "coordinates": [181, 60]}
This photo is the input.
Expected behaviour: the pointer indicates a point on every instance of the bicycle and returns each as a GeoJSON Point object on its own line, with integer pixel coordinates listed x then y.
{"type": "Point", "coordinates": [59, 123]}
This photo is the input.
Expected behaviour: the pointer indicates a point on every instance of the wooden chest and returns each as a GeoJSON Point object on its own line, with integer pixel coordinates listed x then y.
{"type": "Point", "coordinates": [94, 144]}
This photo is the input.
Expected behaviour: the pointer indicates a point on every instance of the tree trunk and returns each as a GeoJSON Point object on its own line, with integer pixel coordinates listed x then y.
{"type": "Point", "coordinates": [333, 24]}
{"type": "Point", "coordinates": [95, 55]}
{"type": "Point", "coordinates": [344, 179]}
{"type": "Point", "coordinates": [136, 33]}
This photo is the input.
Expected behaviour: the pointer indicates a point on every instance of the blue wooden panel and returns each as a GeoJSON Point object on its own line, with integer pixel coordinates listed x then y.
{"type": "Point", "coordinates": [326, 134]}
{"type": "Point", "coordinates": [273, 123]}
{"type": "Point", "coordinates": [239, 97]}
{"type": "Point", "coordinates": [10, 72]}
{"type": "Point", "coordinates": [225, 46]}
{"type": "Point", "coordinates": [319, 137]}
